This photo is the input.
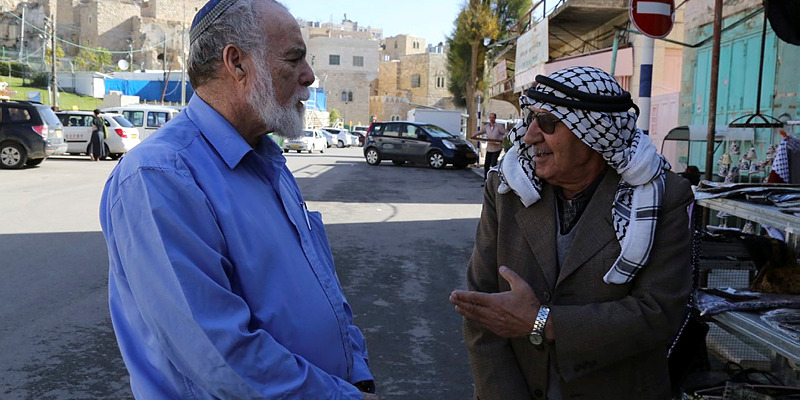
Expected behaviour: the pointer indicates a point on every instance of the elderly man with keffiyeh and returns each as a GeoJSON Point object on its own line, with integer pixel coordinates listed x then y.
{"type": "Point", "coordinates": [581, 271]}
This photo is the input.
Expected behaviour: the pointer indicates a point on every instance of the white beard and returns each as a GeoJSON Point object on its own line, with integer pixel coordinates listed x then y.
{"type": "Point", "coordinates": [285, 121]}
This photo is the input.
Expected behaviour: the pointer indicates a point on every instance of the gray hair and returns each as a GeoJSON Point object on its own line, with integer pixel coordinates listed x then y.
{"type": "Point", "coordinates": [237, 26]}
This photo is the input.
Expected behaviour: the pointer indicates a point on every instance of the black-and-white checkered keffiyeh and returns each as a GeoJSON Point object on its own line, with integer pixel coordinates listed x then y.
{"type": "Point", "coordinates": [597, 110]}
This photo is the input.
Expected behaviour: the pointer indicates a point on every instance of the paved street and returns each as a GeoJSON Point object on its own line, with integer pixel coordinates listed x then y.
{"type": "Point", "coordinates": [401, 238]}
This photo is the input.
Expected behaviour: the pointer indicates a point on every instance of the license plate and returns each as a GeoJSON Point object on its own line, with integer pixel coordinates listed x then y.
{"type": "Point", "coordinates": [294, 146]}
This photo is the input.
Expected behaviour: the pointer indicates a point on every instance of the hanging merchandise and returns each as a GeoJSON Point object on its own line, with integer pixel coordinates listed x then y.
{"type": "Point", "coordinates": [734, 149]}
{"type": "Point", "coordinates": [751, 154]}
{"type": "Point", "coordinates": [732, 174]}
{"type": "Point", "coordinates": [724, 165]}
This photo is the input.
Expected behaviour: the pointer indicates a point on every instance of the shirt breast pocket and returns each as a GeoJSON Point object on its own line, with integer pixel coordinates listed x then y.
{"type": "Point", "coordinates": [319, 236]}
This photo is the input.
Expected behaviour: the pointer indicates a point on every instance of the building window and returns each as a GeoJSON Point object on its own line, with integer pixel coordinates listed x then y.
{"type": "Point", "coordinates": [349, 96]}
{"type": "Point", "coordinates": [395, 43]}
{"type": "Point", "coordinates": [344, 95]}
{"type": "Point", "coordinates": [415, 80]}
{"type": "Point", "coordinates": [333, 59]}
{"type": "Point", "coordinates": [358, 61]}
{"type": "Point", "coordinates": [440, 80]}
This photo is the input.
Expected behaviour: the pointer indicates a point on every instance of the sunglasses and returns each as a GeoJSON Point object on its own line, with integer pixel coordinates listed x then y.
{"type": "Point", "coordinates": [547, 122]}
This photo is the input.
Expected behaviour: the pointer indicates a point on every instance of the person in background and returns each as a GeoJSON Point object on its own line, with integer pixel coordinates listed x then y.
{"type": "Point", "coordinates": [580, 274]}
{"type": "Point", "coordinates": [221, 281]}
{"type": "Point", "coordinates": [493, 134]}
{"type": "Point", "coordinates": [97, 147]}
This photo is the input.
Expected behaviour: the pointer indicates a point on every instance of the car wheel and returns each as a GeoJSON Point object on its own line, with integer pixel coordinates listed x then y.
{"type": "Point", "coordinates": [115, 156]}
{"type": "Point", "coordinates": [34, 162]}
{"type": "Point", "coordinates": [12, 155]}
{"type": "Point", "coordinates": [436, 159]}
{"type": "Point", "coordinates": [340, 144]}
{"type": "Point", "coordinates": [322, 150]}
{"type": "Point", "coordinates": [372, 156]}
{"type": "Point", "coordinates": [398, 162]}
{"type": "Point", "coordinates": [285, 150]}
{"type": "Point", "coordinates": [298, 151]}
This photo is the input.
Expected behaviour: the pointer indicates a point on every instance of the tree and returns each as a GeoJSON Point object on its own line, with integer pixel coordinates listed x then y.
{"type": "Point", "coordinates": [334, 116]}
{"type": "Point", "coordinates": [92, 59]}
{"type": "Point", "coordinates": [49, 53]}
{"type": "Point", "coordinates": [478, 20]}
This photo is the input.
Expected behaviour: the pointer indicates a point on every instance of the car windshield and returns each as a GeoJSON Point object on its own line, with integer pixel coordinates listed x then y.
{"type": "Point", "coordinates": [437, 132]}
{"type": "Point", "coordinates": [308, 133]}
{"type": "Point", "coordinates": [123, 122]}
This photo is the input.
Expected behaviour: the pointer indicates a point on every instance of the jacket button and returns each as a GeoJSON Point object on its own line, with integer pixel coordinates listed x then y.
{"type": "Point", "coordinates": [546, 296]}
{"type": "Point", "coordinates": [538, 393]}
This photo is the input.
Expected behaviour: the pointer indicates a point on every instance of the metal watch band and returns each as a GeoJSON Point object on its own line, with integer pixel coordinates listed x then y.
{"type": "Point", "coordinates": [541, 320]}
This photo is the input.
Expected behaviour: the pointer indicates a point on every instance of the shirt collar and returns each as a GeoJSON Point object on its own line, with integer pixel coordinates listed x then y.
{"type": "Point", "coordinates": [230, 145]}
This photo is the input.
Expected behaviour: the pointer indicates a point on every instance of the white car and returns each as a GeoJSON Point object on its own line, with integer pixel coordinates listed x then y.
{"type": "Point", "coordinates": [145, 117]}
{"type": "Point", "coordinates": [343, 137]}
{"type": "Point", "coordinates": [122, 135]}
{"type": "Point", "coordinates": [311, 141]}
{"type": "Point", "coordinates": [329, 137]}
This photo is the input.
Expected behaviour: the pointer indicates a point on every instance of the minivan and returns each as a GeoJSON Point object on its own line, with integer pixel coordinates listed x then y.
{"type": "Point", "coordinates": [122, 135]}
{"type": "Point", "coordinates": [415, 142]}
{"type": "Point", "coordinates": [145, 117]}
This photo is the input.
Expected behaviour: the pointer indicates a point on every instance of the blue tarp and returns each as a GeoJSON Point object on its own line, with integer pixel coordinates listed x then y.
{"type": "Point", "coordinates": [149, 90]}
{"type": "Point", "coordinates": [317, 100]}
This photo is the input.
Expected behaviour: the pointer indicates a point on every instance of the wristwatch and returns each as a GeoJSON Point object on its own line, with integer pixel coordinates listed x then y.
{"type": "Point", "coordinates": [536, 337]}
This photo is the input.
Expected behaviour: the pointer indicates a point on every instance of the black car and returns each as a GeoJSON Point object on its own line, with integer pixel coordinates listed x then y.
{"type": "Point", "coordinates": [402, 142]}
{"type": "Point", "coordinates": [29, 133]}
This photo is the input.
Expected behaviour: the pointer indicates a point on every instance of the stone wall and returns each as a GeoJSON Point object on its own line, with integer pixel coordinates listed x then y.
{"type": "Point", "coordinates": [402, 45]}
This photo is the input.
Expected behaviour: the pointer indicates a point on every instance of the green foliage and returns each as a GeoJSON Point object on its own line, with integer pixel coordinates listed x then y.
{"type": "Point", "coordinates": [477, 20]}
{"type": "Point", "coordinates": [335, 115]}
{"type": "Point", "coordinates": [48, 54]}
{"type": "Point", "coordinates": [92, 60]}
{"type": "Point", "coordinates": [40, 79]}
{"type": "Point", "coordinates": [17, 69]}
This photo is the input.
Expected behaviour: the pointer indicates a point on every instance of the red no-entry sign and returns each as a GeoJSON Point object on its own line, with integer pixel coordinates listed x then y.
{"type": "Point", "coordinates": [653, 18]}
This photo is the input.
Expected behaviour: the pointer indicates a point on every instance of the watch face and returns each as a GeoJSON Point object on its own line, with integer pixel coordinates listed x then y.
{"type": "Point", "coordinates": [535, 339]}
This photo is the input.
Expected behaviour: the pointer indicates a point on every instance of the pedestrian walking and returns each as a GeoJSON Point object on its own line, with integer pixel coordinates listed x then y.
{"type": "Point", "coordinates": [97, 148]}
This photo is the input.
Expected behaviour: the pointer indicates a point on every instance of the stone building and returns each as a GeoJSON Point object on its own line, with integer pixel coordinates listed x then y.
{"type": "Point", "coordinates": [139, 31]}
{"type": "Point", "coordinates": [344, 58]}
{"type": "Point", "coordinates": [410, 76]}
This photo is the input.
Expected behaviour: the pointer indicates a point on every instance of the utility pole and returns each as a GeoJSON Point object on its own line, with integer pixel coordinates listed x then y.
{"type": "Point", "coordinates": [183, 55]}
{"type": "Point", "coordinates": [22, 33]}
{"type": "Point", "coordinates": [54, 36]}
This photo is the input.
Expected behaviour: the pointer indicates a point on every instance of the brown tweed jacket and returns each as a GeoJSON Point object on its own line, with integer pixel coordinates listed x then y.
{"type": "Point", "coordinates": [610, 340]}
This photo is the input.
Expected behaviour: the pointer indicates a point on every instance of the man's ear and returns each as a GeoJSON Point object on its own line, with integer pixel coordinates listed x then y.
{"type": "Point", "coordinates": [233, 63]}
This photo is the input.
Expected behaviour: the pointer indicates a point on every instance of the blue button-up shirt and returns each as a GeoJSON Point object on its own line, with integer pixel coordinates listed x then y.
{"type": "Point", "coordinates": [221, 282]}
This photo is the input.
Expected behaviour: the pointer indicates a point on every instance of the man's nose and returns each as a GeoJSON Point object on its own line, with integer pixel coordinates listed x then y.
{"type": "Point", "coordinates": [306, 75]}
{"type": "Point", "coordinates": [533, 135]}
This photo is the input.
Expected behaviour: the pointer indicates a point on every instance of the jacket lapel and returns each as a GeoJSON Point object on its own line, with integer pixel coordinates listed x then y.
{"type": "Point", "coordinates": [538, 225]}
{"type": "Point", "coordinates": [594, 229]}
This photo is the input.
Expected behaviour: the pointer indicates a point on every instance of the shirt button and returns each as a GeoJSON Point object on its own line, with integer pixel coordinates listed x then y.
{"type": "Point", "coordinates": [546, 296]}
{"type": "Point", "coordinates": [538, 393]}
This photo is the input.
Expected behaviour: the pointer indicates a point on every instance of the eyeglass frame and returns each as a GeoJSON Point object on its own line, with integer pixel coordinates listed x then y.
{"type": "Point", "coordinates": [535, 116]}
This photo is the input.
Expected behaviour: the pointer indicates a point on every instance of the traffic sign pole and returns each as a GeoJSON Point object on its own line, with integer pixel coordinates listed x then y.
{"type": "Point", "coordinates": [645, 84]}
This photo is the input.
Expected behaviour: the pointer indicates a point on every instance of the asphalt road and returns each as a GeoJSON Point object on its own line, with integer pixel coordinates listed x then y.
{"type": "Point", "coordinates": [401, 238]}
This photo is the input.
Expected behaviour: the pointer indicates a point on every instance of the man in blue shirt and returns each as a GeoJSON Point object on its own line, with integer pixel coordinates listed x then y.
{"type": "Point", "coordinates": [221, 282]}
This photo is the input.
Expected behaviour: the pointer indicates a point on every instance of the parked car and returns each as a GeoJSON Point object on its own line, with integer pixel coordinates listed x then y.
{"type": "Point", "coordinates": [343, 137]}
{"type": "Point", "coordinates": [329, 138]}
{"type": "Point", "coordinates": [361, 131]}
{"type": "Point", "coordinates": [145, 117]}
{"type": "Point", "coordinates": [122, 135]}
{"type": "Point", "coordinates": [312, 140]}
{"type": "Point", "coordinates": [403, 142]}
{"type": "Point", "coordinates": [29, 133]}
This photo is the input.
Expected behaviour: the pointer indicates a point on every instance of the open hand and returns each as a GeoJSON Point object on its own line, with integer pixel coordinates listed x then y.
{"type": "Point", "coordinates": [508, 314]}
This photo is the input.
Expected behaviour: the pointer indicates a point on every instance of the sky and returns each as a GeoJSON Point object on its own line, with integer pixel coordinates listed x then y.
{"type": "Point", "coordinates": [429, 19]}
